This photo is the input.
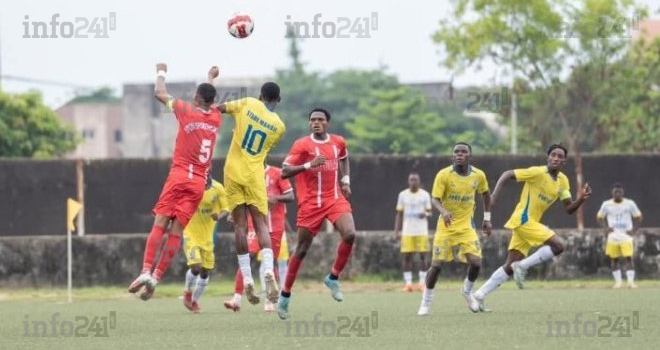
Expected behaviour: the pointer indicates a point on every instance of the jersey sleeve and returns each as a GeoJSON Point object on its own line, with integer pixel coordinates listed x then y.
{"type": "Point", "coordinates": [399, 202]}
{"type": "Point", "coordinates": [235, 107]}
{"type": "Point", "coordinates": [180, 108]}
{"type": "Point", "coordinates": [483, 183]}
{"type": "Point", "coordinates": [634, 210]}
{"type": "Point", "coordinates": [439, 186]}
{"type": "Point", "coordinates": [565, 189]}
{"type": "Point", "coordinates": [284, 185]}
{"type": "Point", "coordinates": [296, 155]}
{"type": "Point", "coordinates": [428, 206]}
{"type": "Point", "coordinates": [523, 175]}
{"type": "Point", "coordinates": [602, 212]}
{"type": "Point", "coordinates": [223, 202]}
{"type": "Point", "coordinates": [343, 149]}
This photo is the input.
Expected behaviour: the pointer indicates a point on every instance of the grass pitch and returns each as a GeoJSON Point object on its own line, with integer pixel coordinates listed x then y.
{"type": "Point", "coordinates": [542, 317]}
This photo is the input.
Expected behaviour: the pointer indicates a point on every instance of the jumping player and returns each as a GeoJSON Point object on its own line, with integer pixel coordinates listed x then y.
{"type": "Point", "coordinates": [184, 187]}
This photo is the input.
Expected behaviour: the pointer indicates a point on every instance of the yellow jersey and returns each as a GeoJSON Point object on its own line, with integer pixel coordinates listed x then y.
{"type": "Point", "coordinates": [457, 194]}
{"type": "Point", "coordinates": [201, 225]}
{"type": "Point", "coordinates": [538, 194]}
{"type": "Point", "coordinates": [256, 131]}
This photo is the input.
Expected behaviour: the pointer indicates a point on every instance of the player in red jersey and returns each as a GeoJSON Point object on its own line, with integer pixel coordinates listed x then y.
{"type": "Point", "coordinates": [186, 182]}
{"type": "Point", "coordinates": [315, 161]}
{"type": "Point", "coordinates": [279, 191]}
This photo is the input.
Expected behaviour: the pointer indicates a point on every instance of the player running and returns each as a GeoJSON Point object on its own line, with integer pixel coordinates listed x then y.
{"type": "Point", "coordinates": [543, 186]}
{"type": "Point", "coordinates": [279, 192]}
{"type": "Point", "coordinates": [453, 194]}
{"type": "Point", "coordinates": [620, 218]}
{"type": "Point", "coordinates": [413, 208]}
{"type": "Point", "coordinates": [257, 130]}
{"type": "Point", "coordinates": [315, 161]}
{"type": "Point", "coordinates": [184, 187]}
{"type": "Point", "coordinates": [198, 242]}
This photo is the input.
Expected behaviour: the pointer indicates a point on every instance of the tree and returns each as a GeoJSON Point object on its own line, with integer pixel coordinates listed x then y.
{"type": "Point", "coordinates": [102, 95]}
{"type": "Point", "coordinates": [28, 128]}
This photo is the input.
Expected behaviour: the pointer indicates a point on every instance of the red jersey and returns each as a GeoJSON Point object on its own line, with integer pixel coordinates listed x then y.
{"type": "Point", "coordinates": [275, 186]}
{"type": "Point", "coordinates": [195, 140]}
{"type": "Point", "coordinates": [317, 186]}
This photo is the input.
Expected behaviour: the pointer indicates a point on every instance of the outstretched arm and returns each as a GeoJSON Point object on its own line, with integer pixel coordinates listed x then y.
{"type": "Point", "coordinates": [160, 91]}
{"type": "Point", "coordinates": [210, 78]}
{"type": "Point", "coordinates": [506, 176]}
{"type": "Point", "coordinates": [293, 170]}
{"type": "Point", "coordinates": [486, 226]}
{"type": "Point", "coordinates": [573, 205]}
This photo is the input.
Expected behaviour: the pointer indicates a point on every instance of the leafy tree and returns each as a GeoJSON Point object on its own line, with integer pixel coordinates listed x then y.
{"type": "Point", "coordinates": [28, 128]}
{"type": "Point", "coordinates": [102, 95]}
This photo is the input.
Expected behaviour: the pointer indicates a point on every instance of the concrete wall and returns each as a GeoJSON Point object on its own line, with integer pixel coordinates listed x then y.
{"type": "Point", "coordinates": [116, 259]}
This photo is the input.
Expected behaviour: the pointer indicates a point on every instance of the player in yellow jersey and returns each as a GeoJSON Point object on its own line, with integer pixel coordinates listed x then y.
{"type": "Point", "coordinates": [453, 195]}
{"type": "Point", "coordinates": [257, 130]}
{"type": "Point", "coordinates": [198, 242]}
{"type": "Point", "coordinates": [543, 186]}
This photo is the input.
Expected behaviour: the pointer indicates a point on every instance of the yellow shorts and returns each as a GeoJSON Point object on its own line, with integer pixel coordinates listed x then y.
{"type": "Point", "coordinates": [284, 249]}
{"type": "Point", "coordinates": [463, 242]}
{"type": "Point", "coordinates": [619, 249]}
{"type": "Point", "coordinates": [253, 194]}
{"type": "Point", "coordinates": [198, 251]}
{"type": "Point", "coordinates": [414, 244]}
{"type": "Point", "coordinates": [529, 235]}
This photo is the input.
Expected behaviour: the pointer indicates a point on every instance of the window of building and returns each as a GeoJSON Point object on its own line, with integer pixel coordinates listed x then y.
{"type": "Point", "coordinates": [119, 137]}
{"type": "Point", "coordinates": [88, 133]}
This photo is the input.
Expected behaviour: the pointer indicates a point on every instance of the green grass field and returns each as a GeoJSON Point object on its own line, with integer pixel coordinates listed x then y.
{"type": "Point", "coordinates": [519, 319]}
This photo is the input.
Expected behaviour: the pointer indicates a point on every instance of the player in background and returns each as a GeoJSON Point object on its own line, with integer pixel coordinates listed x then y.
{"type": "Point", "coordinates": [257, 130]}
{"type": "Point", "coordinates": [198, 242]}
{"type": "Point", "coordinates": [413, 208]}
{"type": "Point", "coordinates": [279, 192]}
{"type": "Point", "coordinates": [184, 187]}
{"type": "Point", "coordinates": [620, 218]}
{"type": "Point", "coordinates": [543, 186]}
{"type": "Point", "coordinates": [453, 193]}
{"type": "Point", "coordinates": [315, 161]}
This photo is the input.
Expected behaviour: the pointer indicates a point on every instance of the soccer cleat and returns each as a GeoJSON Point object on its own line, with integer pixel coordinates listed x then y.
{"type": "Point", "coordinates": [423, 310]}
{"type": "Point", "coordinates": [187, 300]}
{"type": "Point", "coordinates": [139, 282]}
{"type": "Point", "coordinates": [519, 274]}
{"type": "Point", "coordinates": [480, 303]}
{"type": "Point", "coordinates": [472, 302]}
{"type": "Point", "coordinates": [195, 308]}
{"type": "Point", "coordinates": [408, 288]}
{"type": "Point", "coordinates": [272, 289]}
{"type": "Point", "coordinates": [232, 305]}
{"type": "Point", "coordinates": [268, 306]}
{"type": "Point", "coordinates": [421, 287]}
{"type": "Point", "coordinates": [333, 285]}
{"type": "Point", "coordinates": [251, 294]}
{"type": "Point", "coordinates": [632, 285]}
{"type": "Point", "coordinates": [618, 285]}
{"type": "Point", "coordinates": [149, 289]}
{"type": "Point", "coordinates": [283, 307]}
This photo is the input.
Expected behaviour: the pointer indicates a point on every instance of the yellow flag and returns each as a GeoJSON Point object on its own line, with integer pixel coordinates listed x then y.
{"type": "Point", "coordinates": [72, 209]}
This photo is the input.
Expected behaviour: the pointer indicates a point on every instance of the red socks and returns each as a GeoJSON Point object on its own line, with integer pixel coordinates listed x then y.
{"type": "Point", "coordinates": [153, 243]}
{"type": "Point", "coordinates": [238, 285]}
{"type": "Point", "coordinates": [343, 253]}
{"type": "Point", "coordinates": [291, 273]}
{"type": "Point", "coordinates": [169, 251]}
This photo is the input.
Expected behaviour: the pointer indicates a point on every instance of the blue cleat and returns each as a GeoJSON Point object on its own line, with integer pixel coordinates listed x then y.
{"type": "Point", "coordinates": [283, 307]}
{"type": "Point", "coordinates": [333, 285]}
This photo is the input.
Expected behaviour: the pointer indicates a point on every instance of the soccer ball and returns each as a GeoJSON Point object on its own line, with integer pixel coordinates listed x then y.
{"type": "Point", "coordinates": [240, 25]}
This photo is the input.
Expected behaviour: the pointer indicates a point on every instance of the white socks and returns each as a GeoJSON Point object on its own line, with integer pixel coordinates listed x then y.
{"type": "Point", "coordinates": [237, 298]}
{"type": "Point", "coordinates": [282, 265]}
{"type": "Point", "coordinates": [199, 290]}
{"type": "Point", "coordinates": [540, 256]}
{"type": "Point", "coordinates": [262, 276]}
{"type": "Point", "coordinates": [190, 281]}
{"type": "Point", "coordinates": [630, 275]}
{"type": "Point", "coordinates": [422, 277]}
{"type": "Point", "coordinates": [498, 277]}
{"type": "Point", "coordinates": [467, 286]}
{"type": "Point", "coordinates": [617, 275]}
{"type": "Point", "coordinates": [246, 271]}
{"type": "Point", "coordinates": [267, 259]}
{"type": "Point", "coordinates": [407, 277]}
{"type": "Point", "coordinates": [427, 297]}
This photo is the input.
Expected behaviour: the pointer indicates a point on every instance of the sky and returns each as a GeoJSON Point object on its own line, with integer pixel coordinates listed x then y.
{"type": "Point", "coordinates": [192, 37]}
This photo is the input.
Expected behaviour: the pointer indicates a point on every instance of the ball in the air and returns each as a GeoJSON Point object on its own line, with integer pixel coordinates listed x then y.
{"type": "Point", "coordinates": [240, 25]}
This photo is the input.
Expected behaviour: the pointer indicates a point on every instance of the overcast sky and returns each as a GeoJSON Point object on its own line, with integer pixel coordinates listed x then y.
{"type": "Point", "coordinates": [192, 37]}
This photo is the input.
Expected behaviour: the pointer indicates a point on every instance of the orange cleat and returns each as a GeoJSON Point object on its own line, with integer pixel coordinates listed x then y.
{"type": "Point", "coordinates": [408, 288]}
{"type": "Point", "coordinates": [187, 300]}
{"type": "Point", "coordinates": [421, 287]}
{"type": "Point", "coordinates": [195, 308]}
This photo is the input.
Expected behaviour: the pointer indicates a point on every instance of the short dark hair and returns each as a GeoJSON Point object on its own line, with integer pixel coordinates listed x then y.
{"type": "Point", "coordinates": [413, 173]}
{"type": "Point", "coordinates": [464, 144]}
{"type": "Point", "coordinates": [322, 110]}
{"type": "Point", "coordinates": [617, 185]}
{"type": "Point", "coordinates": [270, 91]}
{"type": "Point", "coordinates": [554, 146]}
{"type": "Point", "coordinates": [207, 92]}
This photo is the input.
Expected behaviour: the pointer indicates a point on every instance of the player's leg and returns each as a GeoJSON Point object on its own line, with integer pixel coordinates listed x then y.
{"type": "Point", "coordinates": [305, 238]}
{"type": "Point", "coordinates": [501, 275]}
{"type": "Point", "coordinates": [537, 234]}
{"type": "Point", "coordinates": [346, 226]}
{"type": "Point", "coordinates": [239, 215]}
{"type": "Point", "coordinates": [258, 213]}
{"type": "Point", "coordinates": [191, 280]}
{"type": "Point", "coordinates": [627, 253]}
{"type": "Point", "coordinates": [275, 240]}
{"type": "Point", "coordinates": [170, 249]}
{"type": "Point", "coordinates": [474, 266]}
{"type": "Point", "coordinates": [235, 303]}
{"type": "Point", "coordinates": [154, 240]}
{"type": "Point", "coordinates": [442, 251]}
{"type": "Point", "coordinates": [422, 250]}
{"type": "Point", "coordinates": [406, 266]}
{"type": "Point", "coordinates": [208, 263]}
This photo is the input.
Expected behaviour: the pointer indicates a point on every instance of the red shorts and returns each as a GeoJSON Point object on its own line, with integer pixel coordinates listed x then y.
{"type": "Point", "coordinates": [180, 199]}
{"type": "Point", "coordinates": [275, 242]}
{"type": "Point", "coordinates": [311, 217]}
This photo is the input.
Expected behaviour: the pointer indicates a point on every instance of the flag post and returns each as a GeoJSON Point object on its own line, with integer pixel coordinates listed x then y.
{"type": "Point", "coordinates": [72, 209]}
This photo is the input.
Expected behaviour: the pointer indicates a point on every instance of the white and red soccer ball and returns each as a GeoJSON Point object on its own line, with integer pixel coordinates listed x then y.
{"type": "Point", "coordinates": [240, 25]}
